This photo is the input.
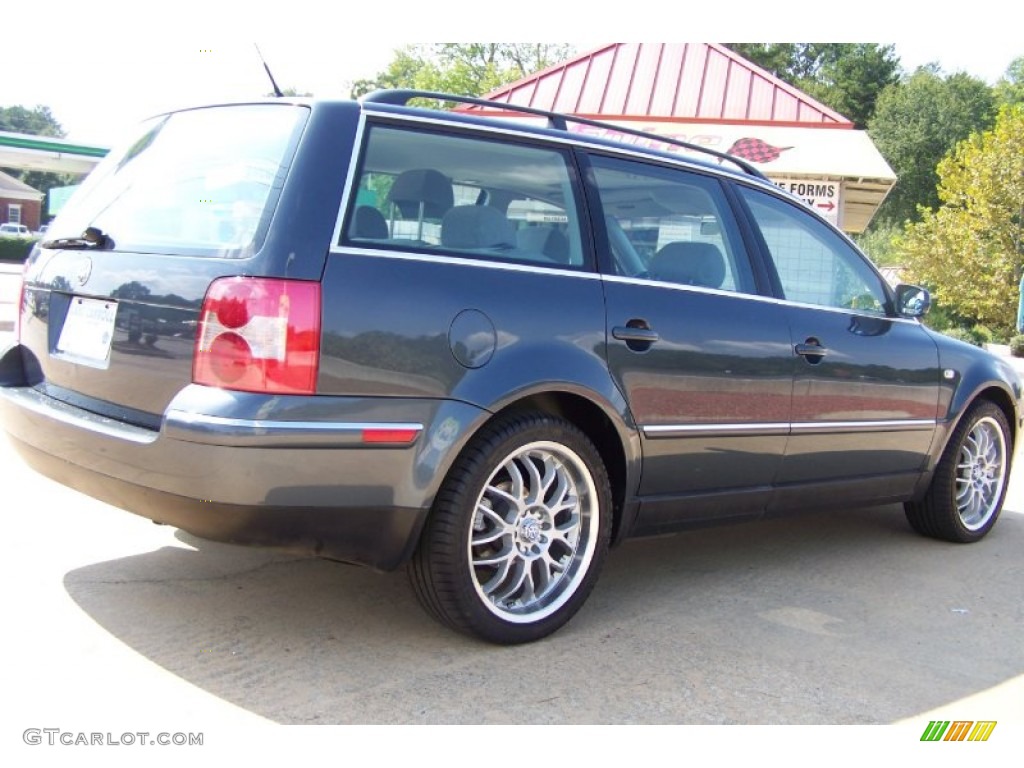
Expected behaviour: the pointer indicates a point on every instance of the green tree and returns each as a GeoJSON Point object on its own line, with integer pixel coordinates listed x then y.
{"type": "Point", "coordinates": [970, 251]}
{"type": "Point", "coordinates": [916, 123]}
{"type": "Point", "coordinates": [848, 77]}
{"type": "Point", "coordinates": [36, 122]}
{"type": "Point", "coordinates": [777, 58]}
{"type": "Point", "coordinates": [290, 92]}
{"type": "Point", "coordinates": [468, 69]}
{"type": "Point", "coordinates": [1010, 88]}
{"type": "Point", "coordinates": [878, 242]}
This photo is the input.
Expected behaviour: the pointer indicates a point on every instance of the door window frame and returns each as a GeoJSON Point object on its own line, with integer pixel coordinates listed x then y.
{"type": "Point", "coordinates": [751, 223]}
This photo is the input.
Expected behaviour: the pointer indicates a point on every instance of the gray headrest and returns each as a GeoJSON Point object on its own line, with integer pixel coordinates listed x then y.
{"type": "Point", "coordinates": [369, 222]}
{"type": "Point", "coordinates": [423, 185]}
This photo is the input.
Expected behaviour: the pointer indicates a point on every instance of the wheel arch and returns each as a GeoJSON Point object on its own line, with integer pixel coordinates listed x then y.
{"type": "Point", "coordinates": [617, 443]}
{"type": "Point", "coordinates": [999, 396]}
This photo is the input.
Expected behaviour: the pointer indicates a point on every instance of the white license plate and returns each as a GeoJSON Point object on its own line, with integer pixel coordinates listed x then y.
{"type": "Point", "coordinates": [88, 330]}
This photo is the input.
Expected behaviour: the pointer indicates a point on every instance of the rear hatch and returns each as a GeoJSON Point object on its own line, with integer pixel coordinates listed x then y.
{"type": "Point", "coordinates": [113, 297]}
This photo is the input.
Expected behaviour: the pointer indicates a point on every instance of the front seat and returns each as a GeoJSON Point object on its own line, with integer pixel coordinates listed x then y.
{"type": "Point", "coordinates": [477, 226]}
{"type": "Point", "coordinates": [699, 264]}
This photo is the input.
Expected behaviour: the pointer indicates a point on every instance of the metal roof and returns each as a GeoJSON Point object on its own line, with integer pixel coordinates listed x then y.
{"type": "Point", "coordinates": [15, 189]}
{"type": "Point", "coordinates": [688, 81]}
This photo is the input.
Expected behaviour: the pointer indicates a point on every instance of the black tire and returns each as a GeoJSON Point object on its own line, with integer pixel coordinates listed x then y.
{"type": "Point", "coordinates": [967, 490]}
{"type": "Point", "coordinates": [518, 533]}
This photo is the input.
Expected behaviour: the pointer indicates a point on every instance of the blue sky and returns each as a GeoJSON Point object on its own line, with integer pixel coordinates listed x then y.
{"type": "Point", "coordinates": [101, 69]}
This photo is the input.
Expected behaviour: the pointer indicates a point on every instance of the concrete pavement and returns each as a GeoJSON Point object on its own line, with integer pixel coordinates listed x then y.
{"type": "Point", "coordinates": [10, 275]}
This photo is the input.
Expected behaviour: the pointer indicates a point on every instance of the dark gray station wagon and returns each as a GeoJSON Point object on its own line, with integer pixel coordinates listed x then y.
{"type": "Point", "coordinates": [488, 348]}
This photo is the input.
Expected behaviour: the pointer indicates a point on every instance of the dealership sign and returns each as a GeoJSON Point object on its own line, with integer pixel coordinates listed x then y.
{"type": "Point", "coordinates": [822, 195]}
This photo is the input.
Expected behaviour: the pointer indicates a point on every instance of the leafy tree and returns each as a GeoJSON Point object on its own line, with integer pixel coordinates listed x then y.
{"type": "Point", "coordinates": [848, 77]}
{"type": "Point", "coordinates": [1010, 88]}
{"type": "Point", "coordinates": [970, 251]}
{"type": "Point", "coordinates": [916, 123]}
{"type": "Point", "coordinates": [777, 58]}
{"type": "Point", "coordinates": [877, 241]}
{"type": "Point", "coordinates": [290, 92]}
{"type": "Point", "coordinates": [37, 122]}
{"type": "Point", "coordinates": [470, 69]}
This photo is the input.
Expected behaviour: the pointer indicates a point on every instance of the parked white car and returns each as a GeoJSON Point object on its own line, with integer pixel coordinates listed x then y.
{"type": "Point", "coordinates": [14, 230]}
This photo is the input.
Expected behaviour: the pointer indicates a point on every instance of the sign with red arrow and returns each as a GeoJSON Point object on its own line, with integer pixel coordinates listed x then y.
{"type": "Point", "coordinates": [822, 195]}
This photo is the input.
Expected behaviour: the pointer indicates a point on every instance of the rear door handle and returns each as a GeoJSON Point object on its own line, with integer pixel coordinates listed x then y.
{"type": "Point", "coordinates": [811, 348]}
{"type": "Point", "coordinates": [628, 333]}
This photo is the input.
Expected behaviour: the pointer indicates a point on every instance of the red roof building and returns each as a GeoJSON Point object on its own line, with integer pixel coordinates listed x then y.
{"type": "Point", "coordinates": [706, 94]}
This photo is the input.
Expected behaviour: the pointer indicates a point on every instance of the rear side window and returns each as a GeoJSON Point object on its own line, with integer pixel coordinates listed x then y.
{"type": "Point", "coordinates": [814, 264]}
{"type": "Point", "coordinates": [670, 225]}
{"type": "Point", "coordinates": [200, 182]}
{"type": "Point", "coordinates": [465, 196]}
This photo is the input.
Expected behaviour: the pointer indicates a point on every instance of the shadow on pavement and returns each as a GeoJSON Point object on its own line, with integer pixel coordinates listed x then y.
{"type": "Point", "coordinates": [839, 618]}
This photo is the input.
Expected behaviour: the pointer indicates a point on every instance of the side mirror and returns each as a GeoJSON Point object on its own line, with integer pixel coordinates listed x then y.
{"type": "Point", "coordinates": [912, 301]}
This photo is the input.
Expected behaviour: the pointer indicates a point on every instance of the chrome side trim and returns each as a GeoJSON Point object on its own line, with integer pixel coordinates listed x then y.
{"type": "Point", "coordinates": [38, 403]}
{"type": "Point", "coordinates": [257, 433]}
{"type": "Point", "coordinates": [840, 427]}
{"type": "Point", "coordinates": [464, 261]}
{"type": "Point", "coordinates": [354, 157]}
{"type": "Point", "coordinates": [754, 297]}
{"type": "Point", "coordinates": [716, 430]}
{"type": "Point", "coordinates": [785, 428]}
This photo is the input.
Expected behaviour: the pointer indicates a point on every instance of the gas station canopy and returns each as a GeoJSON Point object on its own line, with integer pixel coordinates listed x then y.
{"type": "Point", "coordinates": [45, 153]}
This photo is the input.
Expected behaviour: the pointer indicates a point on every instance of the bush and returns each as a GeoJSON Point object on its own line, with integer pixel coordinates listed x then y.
{"type": "Point", "coordinates": [15, 248]}
{"type": "Point", "coordinates": [1017, 346]}
{"type": "Point", "coordinates": [963, 334]}
{"type": "Point", "coordinates": [983, 334]}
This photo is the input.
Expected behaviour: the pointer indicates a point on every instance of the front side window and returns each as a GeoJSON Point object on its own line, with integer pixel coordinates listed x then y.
{"type": "Point", "coordinates": [465, 196]}
{"type": "Point", "coordinates": [670, 225]}
{"type": "Point", "coordinates": [814, 264]}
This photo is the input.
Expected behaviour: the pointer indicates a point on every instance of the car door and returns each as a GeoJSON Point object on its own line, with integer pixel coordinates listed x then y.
{"type": "Point", "coordinates": [866, 384]}
{"type": "Point", "coordinates": [703, 360]}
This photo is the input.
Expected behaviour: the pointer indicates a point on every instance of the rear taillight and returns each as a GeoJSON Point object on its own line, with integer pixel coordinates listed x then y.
{"type": "Point", "coordinates": [259, 335]}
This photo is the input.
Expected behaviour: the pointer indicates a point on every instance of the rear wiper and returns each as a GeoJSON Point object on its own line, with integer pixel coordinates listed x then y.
{"type": "Point", "coordinates": [93, 237]}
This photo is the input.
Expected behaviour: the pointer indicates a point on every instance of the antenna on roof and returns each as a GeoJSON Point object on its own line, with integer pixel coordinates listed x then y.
{"type": "Point", "coordinates": [277, 91]}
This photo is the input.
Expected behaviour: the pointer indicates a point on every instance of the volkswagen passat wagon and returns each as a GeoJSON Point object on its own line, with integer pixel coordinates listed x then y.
{"type": "Point", "coordinates": [484, 348]}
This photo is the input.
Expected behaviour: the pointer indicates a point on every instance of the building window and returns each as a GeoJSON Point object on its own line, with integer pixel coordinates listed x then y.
{"type": "Point", "coordinates": [14, 213]}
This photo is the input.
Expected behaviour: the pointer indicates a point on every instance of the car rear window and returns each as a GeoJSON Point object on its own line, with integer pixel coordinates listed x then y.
{"type": "Point", "coordinates": [202, 182]}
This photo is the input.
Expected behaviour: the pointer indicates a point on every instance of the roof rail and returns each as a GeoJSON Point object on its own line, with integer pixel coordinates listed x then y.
{"type": "Point", "coordinates": [556, 120]}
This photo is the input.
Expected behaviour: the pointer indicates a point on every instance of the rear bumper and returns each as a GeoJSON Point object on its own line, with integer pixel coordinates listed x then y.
{"type": "Point", "coordinates": [292, 473]}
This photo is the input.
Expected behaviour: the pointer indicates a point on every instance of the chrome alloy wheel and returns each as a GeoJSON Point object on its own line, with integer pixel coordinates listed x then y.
{"type": "Point", "coordinates": [980, 473]}
{"type": "Point", "coordinates": [534, 532]}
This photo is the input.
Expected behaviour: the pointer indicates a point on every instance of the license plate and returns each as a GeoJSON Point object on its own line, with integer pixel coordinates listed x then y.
{"type": "Point", "coordinates": [87, 332]}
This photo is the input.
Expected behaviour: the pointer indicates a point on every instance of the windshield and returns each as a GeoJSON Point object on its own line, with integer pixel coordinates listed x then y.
{"type": "Point", "coordinates": [199, 182]}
